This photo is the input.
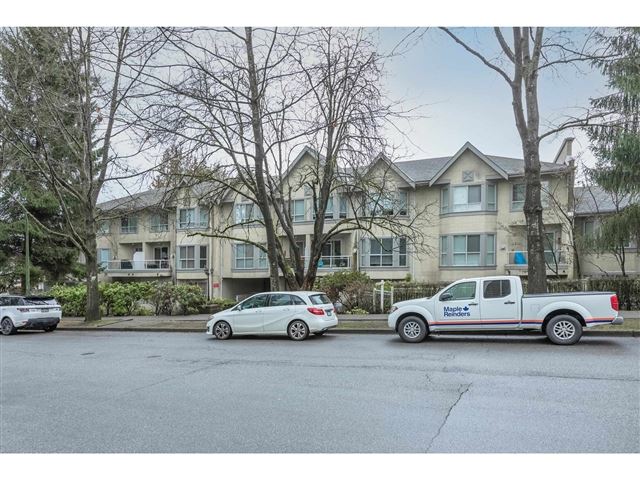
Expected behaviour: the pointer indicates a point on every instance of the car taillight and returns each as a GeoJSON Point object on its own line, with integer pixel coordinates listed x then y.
{"type": "Point", "coordinates": [315, 310]}
{"type": "Point", "coordinates": [23, 310]}
{"type": "Point", "coordinates": [614, 302]}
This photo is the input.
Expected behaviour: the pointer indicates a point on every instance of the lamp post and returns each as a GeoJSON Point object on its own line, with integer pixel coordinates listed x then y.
{"type": "Point", "coordinates": [208, 272]}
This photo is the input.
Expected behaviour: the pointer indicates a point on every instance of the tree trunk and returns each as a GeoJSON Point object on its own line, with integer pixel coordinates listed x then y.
{"type": "Point", "coordinates": [93, 293]}
{"type": "Point", "coordinates": [537, 269]}
{"type": "Point", "coordinates": [261, 191]}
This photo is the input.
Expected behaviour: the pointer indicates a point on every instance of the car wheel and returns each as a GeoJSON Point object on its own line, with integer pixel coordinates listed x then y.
{"type": "Point", "coordinates": [412, 329]}
{"type": "Point", "coordinates": [222, 330]}
{"type": "Point", "coordinates": [51, 328]}
{"type": "Point", "coordinates": [6, 326]}
{"type": "Point", "coordinates": [298, 330]}
{"type": "Point", "coordinates": [318, 334]}
{"type": "Point", "coordinates": [564, 330]}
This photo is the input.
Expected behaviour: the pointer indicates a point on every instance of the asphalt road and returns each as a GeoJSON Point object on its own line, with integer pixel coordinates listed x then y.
{"type": "Point", "coordinates": [185, 392]}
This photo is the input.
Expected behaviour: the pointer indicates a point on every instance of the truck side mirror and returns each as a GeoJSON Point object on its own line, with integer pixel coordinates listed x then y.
{"type": "Point", "coordinates": [445, 297]}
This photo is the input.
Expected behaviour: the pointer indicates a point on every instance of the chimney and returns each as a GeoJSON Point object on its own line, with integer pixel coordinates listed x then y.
{"type": "Point", "coordinates": [565, 154]}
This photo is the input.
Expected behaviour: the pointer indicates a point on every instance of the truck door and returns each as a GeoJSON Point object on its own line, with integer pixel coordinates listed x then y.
{"type": "Point", "coordinates": [458, 308]}
{"type": "Point", "coordinates": [499, 305]}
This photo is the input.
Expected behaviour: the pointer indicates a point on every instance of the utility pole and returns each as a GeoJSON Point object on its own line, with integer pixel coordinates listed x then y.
{"type": "Point", "coordinates": [27, 259]}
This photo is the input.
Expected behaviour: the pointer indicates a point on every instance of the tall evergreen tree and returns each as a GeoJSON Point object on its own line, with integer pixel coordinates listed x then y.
{"type": "Point", "coordinates": [21, 189]}
{"type": "Point", "coordinates": [616, 140]}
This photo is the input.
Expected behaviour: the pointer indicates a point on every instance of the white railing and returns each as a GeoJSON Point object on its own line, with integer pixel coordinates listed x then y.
{"type": "Point", "coordinates": [331, 261]}
{"type": "Point", "coordinates": [129, 229]}
{"type": "Point", "coordinates": [552, 258]}
{"type": "Point", "coordinates": [137, 265]}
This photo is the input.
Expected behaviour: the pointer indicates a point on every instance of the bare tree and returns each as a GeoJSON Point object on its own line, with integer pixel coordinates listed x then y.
{"type": "Point", "coordinates": [248, 99]}
{"type": "Point", "coordinates": [520, 62]}
{"type": "Point", "coordinates": [101, 69]}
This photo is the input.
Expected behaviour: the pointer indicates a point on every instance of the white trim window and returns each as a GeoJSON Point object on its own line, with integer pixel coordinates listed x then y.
{"type": "Point", "coordinates": [492, 196]}
{"type": "Point", "coordinates": [104, 227]}
{"type": "Point", "coordinates": [129, 224]}
{"type": "Point", "coordinates": [444, 199]}
{"type": "Point", "coordinates": [467, 198]}
{"type": "Point", "coordinates": [466, 250]}
{"type": "Point", "coordinates": [384, 252]}
{"type": "Point", "coordinates": [104, 256]}
{"type": "Point", "coordinates": [517, 196]}
{"type": "Point", "coordinates": [186, 217]}
{"type": "Point", "coordinates": [343, 206]}
{"type": "Point", "coordinates": [474, 250]}
{"type": "Point", "coordinates": [298, 213]}
{"type": "Point", "coordinates": [159, 222]}
{"type": "Point", "coordinates": [393, 203]}
{"type": "Point", "coordinates": [243, 256]}
{"type": "Point", "coordinates": [187, 257]}
{"type": "Point", "coordinates": [245, 212]}
{"type": "Point", "coordinates": [202, 257]}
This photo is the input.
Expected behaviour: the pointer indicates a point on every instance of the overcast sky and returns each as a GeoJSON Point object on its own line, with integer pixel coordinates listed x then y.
{"type": "Point", "coordinates": [466, 101]}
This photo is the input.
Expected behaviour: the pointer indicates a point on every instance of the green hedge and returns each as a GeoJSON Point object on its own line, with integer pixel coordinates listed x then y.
{"type": "Point", "coordinates": [118, 299]}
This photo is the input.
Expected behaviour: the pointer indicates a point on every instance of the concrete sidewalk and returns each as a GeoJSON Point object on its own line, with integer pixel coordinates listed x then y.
{"type": "Point", "coordinates": [372, 323]}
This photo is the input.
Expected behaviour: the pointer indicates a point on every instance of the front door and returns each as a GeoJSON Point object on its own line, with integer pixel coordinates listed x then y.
{"type": "Point", "coordinates": [458, 307]}
{"type": "Point", "coordinates": [249, 316]}
{"type": "Point", "coordinates": [500, 308]}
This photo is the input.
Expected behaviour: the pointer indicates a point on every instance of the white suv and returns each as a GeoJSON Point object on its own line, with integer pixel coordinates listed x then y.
{"type": "Point", "coordinates": [295, 314]}
{"type": "Point", "coordinates": [29, 313]}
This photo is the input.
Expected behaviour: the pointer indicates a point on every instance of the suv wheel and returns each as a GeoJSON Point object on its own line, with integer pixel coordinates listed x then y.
{"type": "Point", "coordinates": [6, 326]}
{"type": "Point", "coordinates": [564, 330]}
{"type": "Point", "coordinates": [412, 329]}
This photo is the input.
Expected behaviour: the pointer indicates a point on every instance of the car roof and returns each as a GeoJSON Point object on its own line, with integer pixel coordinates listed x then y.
{"type": "Point", "coordinates": [296, 292]}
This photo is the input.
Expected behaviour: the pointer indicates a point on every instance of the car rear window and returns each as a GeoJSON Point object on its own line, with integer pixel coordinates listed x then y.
{"type": "Point", "coordinates": [319, 299]}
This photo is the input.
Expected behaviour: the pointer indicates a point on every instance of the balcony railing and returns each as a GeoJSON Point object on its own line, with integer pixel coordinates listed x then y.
{"type": "Point", "coordinates": [137, 265]}
{"type": "Point", "coordinates": [192, 225]}
{"type": "Point", "coordinates": [331, 261]}
{"type": "Point", "coordinates": [157, 228]}
{"type": "Point", "coordinates": [551, 257]}
{"type": "Point", "coordinates": [128, 229]}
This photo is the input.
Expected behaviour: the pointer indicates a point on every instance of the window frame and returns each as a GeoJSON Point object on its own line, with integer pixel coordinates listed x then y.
{"type": "Point", "coordinates": [132, 224]}
{"type": "Point", "coordinates": [502, 294]}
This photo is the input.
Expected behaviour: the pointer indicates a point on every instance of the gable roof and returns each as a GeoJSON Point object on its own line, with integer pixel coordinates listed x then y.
{"type": "Point", "coordinates": [428, 170]}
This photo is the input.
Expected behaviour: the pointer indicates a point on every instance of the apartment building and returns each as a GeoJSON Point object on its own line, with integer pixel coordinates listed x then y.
{"type": "Point", "coordinates": [473, 202]}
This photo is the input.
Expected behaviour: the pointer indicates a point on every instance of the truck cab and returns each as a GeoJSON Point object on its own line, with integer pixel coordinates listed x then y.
{"type": "Point", "coordinates": [499, 303]}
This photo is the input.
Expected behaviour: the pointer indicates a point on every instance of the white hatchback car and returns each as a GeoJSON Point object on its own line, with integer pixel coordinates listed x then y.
{"type": "Point", "coordinates": [295, 314]}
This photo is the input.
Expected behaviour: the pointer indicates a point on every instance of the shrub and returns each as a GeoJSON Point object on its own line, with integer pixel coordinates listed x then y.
{"type": "Point", "coordinates": [347, 287]}
{"type": "Point", "coordinates": [123, 298]}
{"type": "Point", "coordinates": [189, 299]}
{"type": "Point", "coordinates": [357, 311]}
{"type": "Point", "coordinates": [223, 303]}
{"type": "Point", "coordinates": [72, 299]}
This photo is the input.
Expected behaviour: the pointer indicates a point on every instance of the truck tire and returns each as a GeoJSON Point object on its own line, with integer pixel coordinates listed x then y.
{"type": "Point", "coordinates": [7, 327]}
{"type": "Point", "coordinates": [564, 330]}
{"type": "Point", "coordinates": [412, 329]}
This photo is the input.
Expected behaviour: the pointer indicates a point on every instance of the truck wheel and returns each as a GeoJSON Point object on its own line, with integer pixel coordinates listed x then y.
{"type": "Point", "coordinates": [7, 327]}
{"type": "Point", "coordinates": [412, 329]}
{"type": "Point", "coordinates": [564, 330]}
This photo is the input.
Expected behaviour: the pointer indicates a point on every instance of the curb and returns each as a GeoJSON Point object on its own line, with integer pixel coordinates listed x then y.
{"type": "Point", "coordinates": [623, 333]}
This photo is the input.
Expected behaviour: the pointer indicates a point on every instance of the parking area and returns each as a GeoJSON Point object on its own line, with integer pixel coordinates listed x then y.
{"type": "Point", "coordinates": [185, 392]}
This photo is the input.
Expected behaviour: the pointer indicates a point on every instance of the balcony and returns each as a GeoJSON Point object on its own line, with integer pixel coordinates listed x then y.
{"type": "Point", "coordinates": [333, 262]}
{"type": "Point", "coordinates": [556, 261]}
{"type": "Point", "coordinates": [138, 267]}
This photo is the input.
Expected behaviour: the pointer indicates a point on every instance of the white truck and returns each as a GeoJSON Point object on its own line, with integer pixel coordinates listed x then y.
{"type": "Point", "coordinates": [498, 303]}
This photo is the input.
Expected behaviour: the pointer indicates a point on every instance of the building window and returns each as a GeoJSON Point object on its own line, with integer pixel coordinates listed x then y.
{"type": "Point", "coordinates": [261, 258]}
{"type": "Point", "coordinates": [343, 206]}
{"type": "Point", "coordinates": [467, 198]}
{"type": "Point", "coordinates": [517, 196]}
{"type": "Point", "coordinates": [490, 244]}
{"type": "Point", "coordinates": [159, 222]}
{"type": "Point", "coordinates": [104, 256]}
{"type": "Point", "coordinates": [402, 204]}
{"type": "Point", "coordinates": [247, 212]}
{"type": "Point", "coordinates": [444, 200]}
{"type": "Point", "coordinates": [492, 200]}
{"type": "Point", "coordinates": [444, 251]}
{"type": "Point", "coordinates": [187, 217]}
{"type": "Point", "coordinates": [466, 250]}
{"type": "Point", "coordinates": [187, 257]}
{"type": "Point", "coordinates": [104, 227]}
{"type": "Point", "coordinates": [384, 252]}
{"type": "Point", "coordinates": [394, 203]}
{"type": "Point", "coordinates": [203, 217]}
{"type": "Point", "coordinates": [129, 225]}
{"type": "Point", "coordinates": [297, 211]}
{"type": "Point", "coordinates": [202, 259]}
{"type": "Point", "coordinates": [588, 228]}
{"type": "Point", "coordinates": [328, 213]}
